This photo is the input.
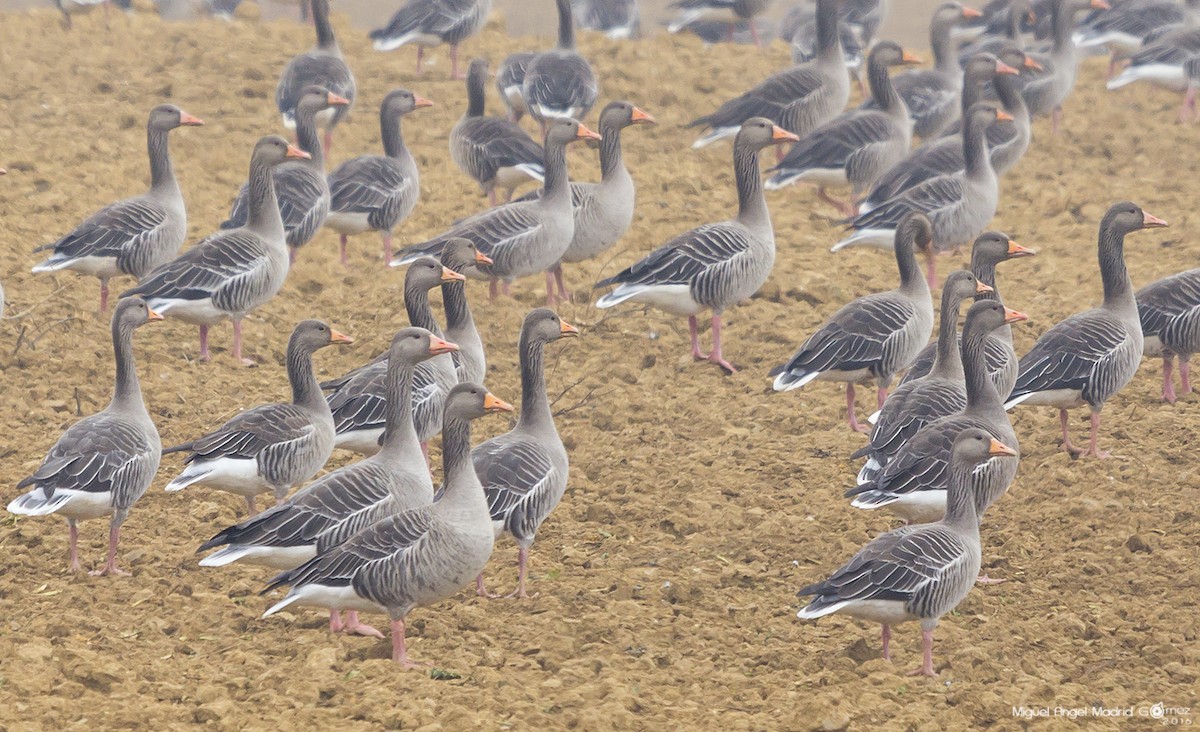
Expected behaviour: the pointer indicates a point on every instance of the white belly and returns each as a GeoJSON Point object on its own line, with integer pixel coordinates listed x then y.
{"type": "Point", "coordinates": [196, 312]}
{"type": "Point", "coordinates": [348, 223]}
{"type": "Point", "coordinates": [857, 376]}
{"type": "Point", "coordinates": [674, 299]}
{"type": "Point", "coordinates": [364, 442]}
{"type": "Point", "coordinates": [1060, 398]}
{"type": "Point", "coordinates": [103, 267]}
{"type": "Point", "coordinates": [238, 476]}
{"type": "Point", "coordinates": [890, 612]}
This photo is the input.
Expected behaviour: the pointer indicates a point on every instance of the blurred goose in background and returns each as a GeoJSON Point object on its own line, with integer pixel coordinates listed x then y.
{"type": "Point", "coordinates": [322, 66]}
{"type": "Point", "coordinates": [755, 32]}
{"type": "Point", "coordinates": [272, 447]}
{"type": "Point", "coordinates": [1169, 310]}
{"type": "Point", "coordinates": [377, 192]}
{"type": "Point", "coordinates": [799, 28]}
{"type": "Point", "coordinates": [416, 557]}
{"type": "Point", "coordinates": [560, 83]}
{"type": "Point", "coordinates": [855, 147]}
{"type": "Point", "coordinates": [104, 463]}
{"type": "Point", "coordinates": [873, 337]}
{"type": "Point", "coordinates": [1002, 29]}
{"type": "Point", "coordinates": [232, 272]}
{"type": "Point", "coordinates": [603, 211]}
{"type": "Point", "coordinates": [509, 79]}
{"type": "Point", "coordinates": [524, 471]}
{"type": "Point", "coordinates": [730, 12]}
{"type": "Point", "coordinates": [932, 95]}
{"type": "Point", "coordinates": [300, 186]}
{"type": "Point", "coordinates": [137, 235]}
{"type": "Point", "coordinates": [916, 572]}
{"type": "Point", "coordinates": [495, 152]}
{"type": "Point", "coordinates": [1045, 92]}
{"type": "Point", "coordinates": [1161, 60]}
{"type": "Point", "coordinates": [617, 19]}
{"type": "Point", "coordinates": [1191, 71]}
{"type": "Point", "coordinates": [1120, 29]}
{"type": "Point", "coordinates": [715, 265]}
{"type": "Point", "coordinates": [1092, 355]}
{"type": "Point", "coordinates": [799, 99]}
{"type": "Point", "coordinates": [71, 8]}
{"type": "Point", "coordinates": [430, 23]}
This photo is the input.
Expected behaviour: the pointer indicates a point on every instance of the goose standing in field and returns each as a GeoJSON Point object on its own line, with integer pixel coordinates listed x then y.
{"type": "Point", "coordinates": [430, 23]}
{"type": "Point", "coordinates": [990, 249]}
{"type": "Point", "coordinates": [460, 255]}
{"type": "Point", "coordinates": [603, 211]}
{"type": "Point", "coordinates": [931, 95]}
{"type": "Point", "coordinates": [232, 272]}
{"type": "Point", "coordinates": [1191, 72]}
{"type": "Point", "coordinates": [799, 99]}
{"type": "Point", "coordinates": [1120, 29]}
{"type": "Point", "coordinates": [510, 77]}
{"type": "Point", "coordinates": [959, 205]}
{"type": "Point", "coordinates": [358, 399]}
{"type": "Point", "coordinates": [560, 83]}
{"type": "Point", "coordinates": [300, 186]}
{"type": "Point", "coordinates": [1092, 355]}
{"type": "Point", "coordinates": [913, 483]}
{"type": "Point", "coordinates": [715, 265]}
{"type": "Point", "coordinates": [526, 237]}
{"type": "Point", "coordinates": [1046, 92]}
{"type": "Point", "coordinates": [413, 558]}
{"type": "Point", "coordinates": [134, 236]}
{"type": "Point", "coordinates": [855, 147]}
{"type": "Point", "coordinates": [872, 337]}
{"type": "Point", "coordinates": [799, 29]}
{"type": "Point", "coordinates": [712, 32]}
{"type": "Point", "coordinates": [617, 19]}
{"type": "Point", "coordinates": [916, 572]}
{"type": "Point", "coordinates": [729, 11]}
{"type": "Point", "coordinates": [329, 511]}
{"type": "Point", "coordinates": [1161, 60]}
{"type": "Point", "coordinates": [377, 192]}
{"type": "Point", "coordinates": [272, 447]}
{"type": "Point", "coordinates": [495, 152]}
{"type": "Point", "coordinates": [941, 392]}
{"type": "Point", "coordinates": [524, 471]}
{"type": "Point", "coordinates": [322, 66]}
{"type": "Point", "coordinates": [1168, 310]}
{"type": "Point", "coordinates": [103, 463]}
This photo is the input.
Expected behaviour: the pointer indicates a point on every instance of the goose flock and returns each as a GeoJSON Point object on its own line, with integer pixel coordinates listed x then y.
{"type": "Point", "coordinates": [919, 168]}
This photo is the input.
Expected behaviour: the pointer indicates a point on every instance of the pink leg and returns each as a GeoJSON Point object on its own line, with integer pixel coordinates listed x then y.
{"type": "Point", "coordinates": [204, 354]}
{"type": "Point", "coordinates": [1055, 121]}
{"type": "Point", "coordinates": [931, 268]}
{"type": "Point", "coordinates": [563, 295]}
{"type": "Point", "coordinates": [1168, 390]}
{"type": "Point", "coordinates": [1187, 110]}
{"type": "Point", "coordinates": [926, 668]}
{"type": "Point", "coordinates": [342, 241]}
{"type": "Point", "coordinates": [551, 301]}
{"type": "Point", "coordinates": [73, 541]}
{"type": "Point", "coordinates": [399, 648]}
{"type": "Point", "coordinates": [522, 565]}
{"type": "Point", "coordinates": [1093, 449]}
{"type": "Point", "coordinates": [1071, 449]}
{"type": "Point", "coordinates": [335, 621]}
{"type": "Point", "coordinates": [1185, 382]}
{"type": "Point", "coordinates": [754, 34]}
{"type": "Point", "coordinates": [481, 589]}
{"type": "Point", "coordinates": [492, 289]}
{"type": "Point", "coordinates": [388, 252]}
{"type": "Point", "coordinates": [354, 627]}
{"type": "Point", "coordinates": [454, 63]}
{"type": "Point", "coordinates": [110, 563]}
{"type": "Point", "coordinates": [420, 59]}
{"type": "Point", "coordinates": [886, 636]}
{"type": "Point", "coordinates": [104, 296]}
{"type": "Point", "coordinates": [292, 253]}
{"type": "Point", "coordinates": [329, 141]}
{"type": "Point", "coordinates": [983, 579]}
{"type": "Point", "coordinates": [880, 397]}
{"type": "Point", "coordinates": [845, 207]}
{"type": "Point", "coordinates": [237, 344]}
{"type": "Point", "coordinates": [850, 415]}
{"type": "Point", "coordinates": [694, 332]}
{"type": "Point", "coordinates": [251, 506]}
{"type": "Point", "coordinates": [716, 356]}
{"type": "Point", "coordinates": [506, 288]}
{"type": "Point", "coordinates": [493, 201]}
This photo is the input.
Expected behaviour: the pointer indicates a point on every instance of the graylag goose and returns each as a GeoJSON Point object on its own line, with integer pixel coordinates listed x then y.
{"type": "Point", "coordinates": [524, 471]}
{"type": "Point", "coordinates": [916, 572]}
{"type": "Point", "coordinates": [560, 83]}
{"type": "Point", "coordinates": [104, 463]}
{"type": "Point", "coordinates": [270, 448]}
{"type": "Point", "coordinates": [799, 29]}
{"type": "Point", "coordinates": [300, 186]}
{"type": "Point", "coordinates": [716, 265]}
{"type": "Point", "coordinates": [799, 99]}
{"type": "Point", "coordinates": [1046, 92]}
{"type": "Point", "coordinates": [377, 192]}
{"type": "Point", "coordinates": [618, 20]}
{"type": "Point", "coordinates": [430, 23]}
{"type": "Point", "coordinates": [460, 255]}
{"type": "Point", "coordinates": [1161, 61]}
{"type": "Point", "coordinates": [873, 337]}
{"type": "Point", "coordinates": [134, 236]}
{"type": "Point", "coordinates": [522, 238]}
{"type": "Point", "coordinates": [416, 557]}
{"type": "Point", "coordinates": [1092, 355]}
{"type": "Point", "coordinates": [323, 66]}
{"type": "Point", "coordinates": [1168, 309]}
{"type": "Point", "coordinates": [731, 12]}
{"type": "Point", "coordinates": [510, 76]}
{"type": "Point", "coordinates": [1120, 29]}
{"type": "Point", "coordinates": [855, 147]}
{"type": "Point", "coordinates": [232, 272]}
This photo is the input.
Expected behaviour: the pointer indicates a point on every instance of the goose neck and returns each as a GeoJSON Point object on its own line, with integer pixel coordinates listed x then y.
{"type": "Point", "coordinates": [883, 91]}
{"type": "Point", "coordinates": [611, 161]}
{"type": "Point", "coordinates": [162, 173]}
{"type": "Point", "coordinates": [535, 404]}
{"type": "Point", "coordinates": [475, 95]}
{"type": "Point", "coordinates": [264, 214]}
{"type": "Point", "coordinates": [306, 136]}
{"type": "Point", "coordinates": [398, 428]}
{"type": "Point", "coordinates": [829, 41]}
{"type": "Point", "coordinates": [555, 184]}
{"type": "Point", "coordinates": [1118, 290]}
{"type": "Point", "coordinates": [462, 485]}
{"type": "Point", "coordinates": [306, 392]}
{"type": "Point", "coordinates": [960, 500]}
{"type": "Point", "coordinates": [975, 150]}
{"type": "Point", "coordinates": [320, 16]}
{"type": "Point", "coordinates": [127, 390]}
{"type": "Point", "coordinates": [941, 45]}
{"type": "Point", "coordinates": [566, 25]}
{"type": "Point", "coordinates": [420, 315]}
{"type": "Point", "coordinates": [752, 205]}
{"type": "Point", "coordinates": [392, 134]}
{"type": "Point", "coordinates": [981, 394]}
{"type": "Point", "coordinates": [947, 361]}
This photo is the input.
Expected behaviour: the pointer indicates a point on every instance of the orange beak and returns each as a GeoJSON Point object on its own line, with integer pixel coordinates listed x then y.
{"type": "Point", "coordinates": [420, 101]}
{"type": "Point", "coordinates": [492, 404]}
{"type": "Point", "coordinates": [1012, 316]}
{"type": "Point", "coordinates": [151, 315]}
{"type": "Point", "coordinates": [909, 57]}
{"type": "Point", "coordinates": [999, 448]}
{"type": "Point", "coordinates": [335, 101]}
{"type": "Point", "coordinates": [437, 346]}
{"type": "Point", "coordinates": [481, 258]}
{"type": "Point", "coordinates": [981, 288]}
{"type": "Point", "coordinates": [295, 152]}
{"type": "Point", "coordinates": [566, 329]}
{"type": "Point", "coordinates": [1003, 68]}
{"type": "Point", "coordinates": [778, 135]}
{"type": "Point", "coordinates": [449, 275]}
{"type": "Point", "coordinates": [1016, 250]}
{"type": "Point", "coordinates": [335, 337]}
{"type": "Point", "coordinates": [1002, 116]}
{"type": "Point", "coordinates": [638, 117]}
{"type": "Point", "coordinates": [585, 134]}
{"type": "Point", "coordinates": [188, 120]}
{"type": "Point", "coordinates": [1100, 5]}
{"type": "Point", "coordinates": [971, 13]}
{"type": "Point", "coordinates": [1150, 221]}
{"type": "Point", "coordinates": [1031, 63]}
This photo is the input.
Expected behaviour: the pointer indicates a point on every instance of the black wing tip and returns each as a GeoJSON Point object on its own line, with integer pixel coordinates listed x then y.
{"type": "Point", "coordinates": [280, 580]}
{"type": "Point", "coordinates": [862, 452]}
{"type": "Point", "coordinates": [185, 447]}
{"type": "Point", "coordinates": [860, 489]}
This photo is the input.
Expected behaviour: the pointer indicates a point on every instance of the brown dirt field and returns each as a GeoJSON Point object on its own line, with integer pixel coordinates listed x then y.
{"type": "Point", "coordinates": [698, 503]}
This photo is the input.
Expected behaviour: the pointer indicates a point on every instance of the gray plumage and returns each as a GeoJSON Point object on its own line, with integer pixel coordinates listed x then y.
{"type": "Point", "coordinates": [429, 23]}
{"type": "Point", "coordinates": [799, 28]}
{"type": "Point", "coordinates": [1002, 29]}
{"type": "Point", "coordinates": [560, 83]}
{"type": "Point", "coordinates": [1169, 310]}
{"type": "Point", "coordinates": [460, 255]}
{"type": "Point", "coordinates": [1046, 91]}
{"type": "Point", "coordinates": [616, 19]}
{"type": "Point", "coordinates": [510, 76]}
{"type": "Point", "coordinates": [323, 66]}
{"type": "Point", "coordinates": [1121, 28]}
{"type": "Point", "coordinates": [1161, 59]}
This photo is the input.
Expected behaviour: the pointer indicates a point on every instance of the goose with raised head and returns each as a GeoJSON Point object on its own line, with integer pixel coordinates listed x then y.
{"type": "Point", "coordinates": [322, 65]}
{"type": "Point", "coordinates": [603, 211]}
{"type": "Point", "coordinates": [917, 572]}
{"type": "Point", "coordinates": [522, 238]}
{"type": "Point", "coordinates": [560, 83]}
{"type": "Point", "coordinates": [377, 192]}
{"type": "Point", "coordinates": [1169, 310]}
{"type": "Point", "coordinates": [856, 147]}
{"type": "Point", "coordinates": [460, 255]}
{"type": "Point", "coordinates": [731, 12]}
{"type": "Point", "coordinates": [873, 337]}
{"type": "Point", "coordinates": [524, 471]}
{"type": "Point", "coordinates": [959, 205]}
{"type": "Point", "coordinates": [232, 272]}
{"type": "Point", "coordinates": [1092, 355]}
{"type": "Point", "coordinates": [1002, 30]}
{"type": "Point", "coordinates": [495, 152]}
{"type": "Point", "coordinates": [799, 99]}
{"type": "Point", "coordinates": [941, 392]}
{"type": "Point", "coordinates": [913, 483]}
{"type": "Point", "coordinates": [137, 235]}
{"type": "Point", "coordinates": [1046, 91]}
{"type": "Point", "coordinates": [104, 463]}
{"type": "Point", "coordinates": [272, 447]}
{"type": "Point", "coordinates": [799, 29]}
{"type": "Point", "coordinates": [301, 189]}
{"type": "Point", "coordinates": [1120, 29]}
{"type": "Point", "coordinates": [430, 23]}
{"type": "Point", "coordinates": [412, 558]}
{"type": "Point", "coordinates": [716, 265]}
